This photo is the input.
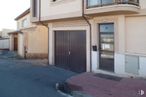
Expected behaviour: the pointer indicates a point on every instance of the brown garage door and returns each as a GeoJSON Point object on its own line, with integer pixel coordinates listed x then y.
{"type": "Point", "coordinates": [70, 50]}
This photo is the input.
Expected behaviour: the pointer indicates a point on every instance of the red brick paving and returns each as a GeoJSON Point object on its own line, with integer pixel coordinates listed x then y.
{"type": "Point", "coordinates": [101, 87]}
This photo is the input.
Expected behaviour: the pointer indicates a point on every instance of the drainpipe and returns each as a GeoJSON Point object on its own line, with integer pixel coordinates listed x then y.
{"type": "Point", "coordinates": [90, 27]}
{"type": "Point", "coordinates": [40, 15]}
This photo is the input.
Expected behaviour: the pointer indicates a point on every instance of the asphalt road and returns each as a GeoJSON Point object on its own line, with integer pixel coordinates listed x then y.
{"type": "Point", "coordinates": [20, 78]}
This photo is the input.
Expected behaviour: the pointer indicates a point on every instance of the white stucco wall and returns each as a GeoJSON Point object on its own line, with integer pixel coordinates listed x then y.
{"type": "Point", "coordinates": [143, 4]}
{"type": "Point", "coordinates": [4, 43]}
{"type": "Point", "coordinates": [21, 44]}
{"type": "Point", "coordinates": [142, 70]}
{"type": "Point", "coordinates": [135, 35]}
{"type": "Point", "coordinates": [11, 43]}
{"type": "Point", "coordinates": [129, 40]}
{"type": "Point", "coordinates": [60, 9]}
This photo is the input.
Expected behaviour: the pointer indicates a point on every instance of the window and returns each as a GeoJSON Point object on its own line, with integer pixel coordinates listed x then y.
{"type": "Point", "coordinates": [54, 0]}
{"type": "Point", "coordinates": [94, 2]}
{"type": "Point", "coordinates": [107, 28]}
{"type": "Point", "coordinates": [106, 2]}
{"type": "Point", "coordinates": [107, 37]}
{"type": "Point", "coordinates": [34, 8]}
{"type": "Point", "coordinates": [24, 23]}
{"type": "Point", "coordinates": [97, 3]}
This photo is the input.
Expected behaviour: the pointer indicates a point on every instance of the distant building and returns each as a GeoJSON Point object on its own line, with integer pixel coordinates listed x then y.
{"type": "Point", "coordinates": [4, 33]}
{"type": "Point", "coordinates": [29, 40]}
{"type": "Point", "coordinates": [4, 39]}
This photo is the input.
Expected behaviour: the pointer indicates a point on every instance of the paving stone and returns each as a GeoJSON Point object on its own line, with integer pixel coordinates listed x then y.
{"type": "Point", "coordinates": [107, 87]}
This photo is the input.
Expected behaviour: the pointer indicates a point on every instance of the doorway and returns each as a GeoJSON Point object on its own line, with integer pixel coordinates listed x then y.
{"type": "Point", "coordinates": [15, 43]}
{"type": "Point", "coordinates": [70, 50]}
{"type": "Point", "coordinates": [106, 46]}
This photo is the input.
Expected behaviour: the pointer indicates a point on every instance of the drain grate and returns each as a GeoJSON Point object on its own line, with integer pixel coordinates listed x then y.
{"type": "Point", "coordinates": [109, 77]}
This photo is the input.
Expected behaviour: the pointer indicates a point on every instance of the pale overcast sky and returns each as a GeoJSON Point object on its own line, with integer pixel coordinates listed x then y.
{"type": "Point", "coordinates": [9, 10]}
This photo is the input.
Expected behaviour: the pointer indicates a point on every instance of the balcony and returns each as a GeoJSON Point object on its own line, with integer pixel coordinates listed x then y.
{"type": "Point", "coordinates": [103, 6]}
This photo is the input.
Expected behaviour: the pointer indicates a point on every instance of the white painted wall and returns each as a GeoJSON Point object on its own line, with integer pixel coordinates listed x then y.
{"type": "Point", "coordinates": [143, 4]}
{"type": "Point", "coordinates": [95, 60]}
{"type": "Point", "coordinates": [60, 9]}
{"type": "Point", "coordinates": [120, 63]}
{"type": "Point", "coordinates": [4, 43]}
{"type": "Point", "coordinates": [135, 35]}
{"type": "Point", "coordinates": [142, 69]}
{"type": "Point", "coordinates": [21, 44]}
{"type": "Point", "coordinates": [11, 48]}
{"type": "Point", "coordinates": [129, 40]}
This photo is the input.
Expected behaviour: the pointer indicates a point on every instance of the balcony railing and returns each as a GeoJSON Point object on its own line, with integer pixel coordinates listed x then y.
{"type": "Point", "coordinates": [99, 3]}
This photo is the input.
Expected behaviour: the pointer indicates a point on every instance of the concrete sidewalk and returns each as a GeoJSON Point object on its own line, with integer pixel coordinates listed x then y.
{"type": "Point", "coordinates": [100, 85]}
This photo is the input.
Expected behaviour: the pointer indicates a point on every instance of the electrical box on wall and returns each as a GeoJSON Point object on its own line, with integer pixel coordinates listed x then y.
{"type": "Point", "coordinates": [132, 64]}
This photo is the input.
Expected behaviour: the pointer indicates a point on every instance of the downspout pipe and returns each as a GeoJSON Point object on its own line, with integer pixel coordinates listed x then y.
{"type": "Point", "coordinates": [39, 17]}
{"type": "Point", "coordinates": [90, 29]}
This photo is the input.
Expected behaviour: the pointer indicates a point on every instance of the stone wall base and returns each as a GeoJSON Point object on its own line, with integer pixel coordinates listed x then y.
{"type": "Point", "coordinates": [36, 56]}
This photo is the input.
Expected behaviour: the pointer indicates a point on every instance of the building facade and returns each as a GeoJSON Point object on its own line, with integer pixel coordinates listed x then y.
{"type": "Point", "coordinates": [4, 33]}
{"type": "Point", "coordinates": [105, 36]}
{"type": "Point", "coordinates": [30, 40]}
{"type": "Point", "coordinates": [4, 39]}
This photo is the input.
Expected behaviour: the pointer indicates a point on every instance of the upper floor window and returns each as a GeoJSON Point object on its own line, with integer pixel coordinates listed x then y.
{"type": "Point", "coordinates": [54, 0]}
{"type": "Point", "coordinates": [24, 23]}
{"type": "Point", "coordinates": [34, 8]}
{"type": "Point", "coordinates": [96, 3]}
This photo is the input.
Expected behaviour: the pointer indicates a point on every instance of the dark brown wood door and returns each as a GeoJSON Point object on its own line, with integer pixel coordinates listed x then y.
{"type": "Point", "coordinates": [15, 43]}
{"type": "Point", "coordinates": [70, 50]}
{"type": "Point", "coordinates": [61, 49]}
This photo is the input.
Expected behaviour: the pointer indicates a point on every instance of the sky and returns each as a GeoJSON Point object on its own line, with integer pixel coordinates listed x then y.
{"type": "Point", "coordinates": [9, 10]}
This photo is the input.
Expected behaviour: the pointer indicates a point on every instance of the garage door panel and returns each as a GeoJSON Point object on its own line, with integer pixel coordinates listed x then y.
{"type": "Point", "coordinates": [70, 50]}
{"type": "Point", "coordinates": [78, 50]}
{"type": "Point", "coordinates": [61, 48]}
